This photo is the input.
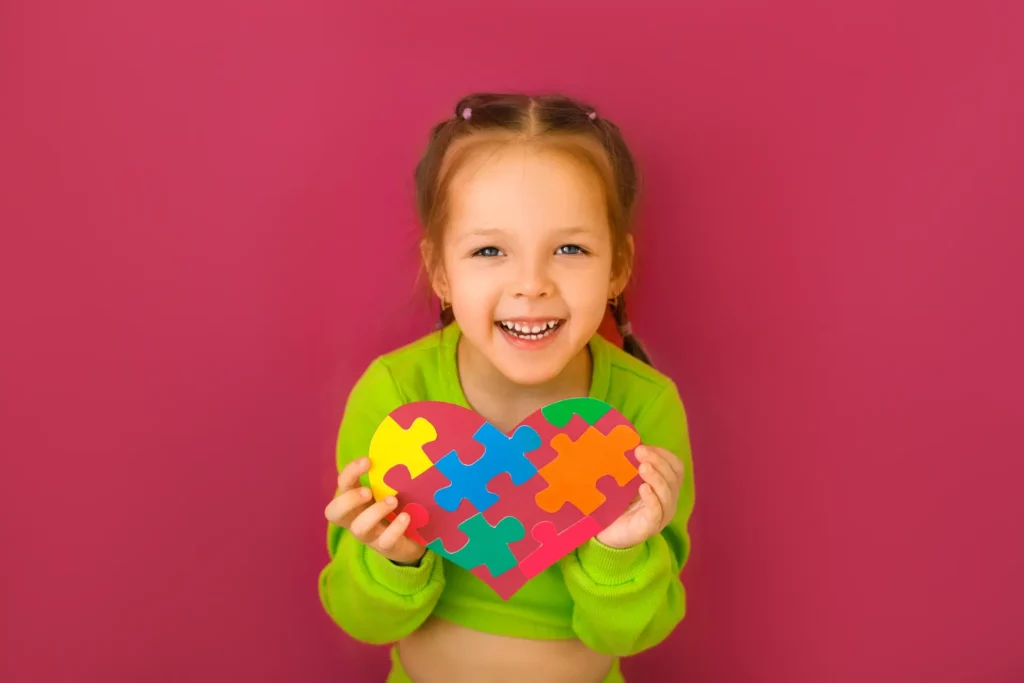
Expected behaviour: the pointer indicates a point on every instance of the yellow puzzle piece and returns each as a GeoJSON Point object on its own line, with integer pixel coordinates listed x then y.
{"type": "Point", "coordinates": [391, 445]}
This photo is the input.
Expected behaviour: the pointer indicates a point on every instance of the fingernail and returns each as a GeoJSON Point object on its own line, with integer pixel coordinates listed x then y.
{"type": "Point", "coordinates": [391, 501]}
{"type": "Point", "coordinates": [365, 462]}
{"type": "Point", "coordinates": [364, 493]}
{"type": "Point", "coordinates": [645, 469]}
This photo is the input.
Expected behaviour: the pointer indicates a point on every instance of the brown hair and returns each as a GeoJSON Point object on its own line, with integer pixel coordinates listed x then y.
{"type": "Point", "coordinates": [555, 120]}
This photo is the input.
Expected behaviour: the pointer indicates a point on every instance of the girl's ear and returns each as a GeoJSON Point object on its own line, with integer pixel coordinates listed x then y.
{"type": "Point", "coordinates": [434, 270]}
{"type": "Point", "coordinates": [621, 275]}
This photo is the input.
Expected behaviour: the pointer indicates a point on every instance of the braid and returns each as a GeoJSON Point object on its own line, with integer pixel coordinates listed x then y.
{"type": "Point", "coordinates": [630, 343]}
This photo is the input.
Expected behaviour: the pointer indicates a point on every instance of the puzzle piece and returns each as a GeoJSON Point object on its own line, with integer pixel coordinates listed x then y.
{"type": "Point", "coordinates": [572, 477]}
{"type": "Point", "coordinates": [441, 524]}
{"type": "Point", "coordinates": [392, 445]}
{"type": "Point", "coordinates": [455, 426]}
{"type": "Point", "coordinates": [487, 545]}
{"type": "Point", "coordinates": [590, 409]}
{"type": "Point", "coordinates": [554, 545]}
{"type": "Point", "coordinates": [544, 454]}
{"type": "Point", "coordinates": [616, 499]}
{"type": "Point", "coordinates": [610, 421]}
{"type": "Point", "coordinates": [519, 502]}
{"type": "Point", "coordinates": [504, 585]}
{"type": "Point", "coordinates": [418, 518]}
{"type": "Point", "coordinates": [501, 454]}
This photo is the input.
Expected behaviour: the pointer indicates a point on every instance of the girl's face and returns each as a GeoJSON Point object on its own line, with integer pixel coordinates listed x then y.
{"type": "Point", "coordinates": [527, 260]}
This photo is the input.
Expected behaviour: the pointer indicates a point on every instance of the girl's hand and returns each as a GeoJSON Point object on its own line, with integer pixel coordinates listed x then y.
{"type": "Point", "coordinates": [662, 473]}
{"type": "Point", "coordinates": [353, 509]}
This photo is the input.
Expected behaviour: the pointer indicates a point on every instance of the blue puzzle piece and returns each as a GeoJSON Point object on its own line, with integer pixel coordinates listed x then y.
{"type": "Point", "coordinates": [501, 454]}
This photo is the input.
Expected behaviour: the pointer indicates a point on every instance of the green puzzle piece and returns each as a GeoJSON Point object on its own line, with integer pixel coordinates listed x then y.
{"type": "Point", "coordinates": [590, 409]}
{"type": "Point", "coordinates": [487, 545]}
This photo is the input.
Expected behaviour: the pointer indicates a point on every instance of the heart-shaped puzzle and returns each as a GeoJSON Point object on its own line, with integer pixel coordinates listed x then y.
{"type": "Point", "coordinates": [506, 507]}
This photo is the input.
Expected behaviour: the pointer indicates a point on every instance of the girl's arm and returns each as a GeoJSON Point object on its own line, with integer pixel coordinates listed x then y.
{"type": "Point", "coordinates": [627, 601]}
{"type": "Point", "coordinates": [372, 599]}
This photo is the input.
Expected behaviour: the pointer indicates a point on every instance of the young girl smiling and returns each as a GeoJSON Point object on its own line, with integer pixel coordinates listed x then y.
{"type": "Point", "coordinates": [527, 206]}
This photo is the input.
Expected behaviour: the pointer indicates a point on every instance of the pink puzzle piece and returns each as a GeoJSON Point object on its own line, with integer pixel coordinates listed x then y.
{"type": "Point", "coordinates": [439, 522]}
{"type": "Point", "coordinates": [455, 433]}
{"type": "Point", "coordinates": [506, 584]}
{"type": "Point", "coordinates": [607, 423]}
{"type": "Point", "coordinates": [518, 501]}
{"type": "Point", "coordinates": [554, 545]}
{"type": "Point", "coordinates": [617, 498]}
{"type": "Point", "coordinates": [418, 518]}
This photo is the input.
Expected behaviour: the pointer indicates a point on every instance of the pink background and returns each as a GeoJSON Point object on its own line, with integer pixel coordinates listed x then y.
{"type": "Point", "coordinates": [207, 232]}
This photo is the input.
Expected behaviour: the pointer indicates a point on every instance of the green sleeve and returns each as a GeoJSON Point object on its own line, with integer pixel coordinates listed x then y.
{"type": "Point", "coordinates": [369, 597]}
{"type": "Point", "coordinates": [626, 601]}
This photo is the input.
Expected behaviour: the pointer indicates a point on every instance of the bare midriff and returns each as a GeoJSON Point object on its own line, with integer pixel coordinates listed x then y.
{"type": "Point", "coordinates": [443, 652]}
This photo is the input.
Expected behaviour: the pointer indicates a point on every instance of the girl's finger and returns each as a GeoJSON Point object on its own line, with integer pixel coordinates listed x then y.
{"type": "Point", "coordinates": [661, 489]}
{"type": "Point", "coordinates": [345, 504]}
{"type": "Point", "coordinates": [674, 461]}
{"type": "Point", "coordinates": [652, 506]}
{"type": "Point", "coordinates": [662, 465]}
{"type": "Point", "coordinates": [350, 473]}
{"type": "Point", "coordinates": [677, 465]}
{"type": "Point", "coordinates": [393, 533]}
{"type": "Point", "coordinates": [367, 526]}
{"type": "Point", "coordinates": [636, 503]}
{"type": "Point", "coordinates": [670, 458]}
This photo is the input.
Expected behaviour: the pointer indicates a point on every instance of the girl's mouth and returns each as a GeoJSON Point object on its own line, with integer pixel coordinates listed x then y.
{"type": "Point", "coordinates": [530, 331]}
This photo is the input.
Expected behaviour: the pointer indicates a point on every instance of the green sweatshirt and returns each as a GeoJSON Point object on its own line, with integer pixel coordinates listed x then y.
{"type": "Point", "coordinates": [618, 602]}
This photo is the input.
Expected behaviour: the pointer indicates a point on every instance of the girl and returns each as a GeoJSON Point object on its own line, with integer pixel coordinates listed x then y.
{"type": "Point", "coordinates": [526, 204]}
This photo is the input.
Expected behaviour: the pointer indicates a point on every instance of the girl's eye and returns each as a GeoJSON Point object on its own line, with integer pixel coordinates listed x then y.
{"type": "Point", "coordinates": [487, 251]}
{"type": "Point", "coordinates": [571, 249]}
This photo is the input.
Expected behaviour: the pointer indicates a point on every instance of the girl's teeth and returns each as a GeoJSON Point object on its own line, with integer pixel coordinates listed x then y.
{"type": "Point", "coordinates": [531, 331]}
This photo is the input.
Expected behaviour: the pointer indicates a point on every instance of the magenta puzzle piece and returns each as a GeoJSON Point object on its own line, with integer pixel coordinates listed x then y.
{"type": "Point", "coordinates": [555, 545]}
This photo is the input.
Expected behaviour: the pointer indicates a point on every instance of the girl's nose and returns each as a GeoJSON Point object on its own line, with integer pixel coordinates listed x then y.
{"type": "Point", "coordinates": [534, 282]}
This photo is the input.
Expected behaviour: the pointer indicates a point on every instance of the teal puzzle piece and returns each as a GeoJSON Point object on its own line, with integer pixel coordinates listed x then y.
{"type": "Point", "coordinates": [487, 545]}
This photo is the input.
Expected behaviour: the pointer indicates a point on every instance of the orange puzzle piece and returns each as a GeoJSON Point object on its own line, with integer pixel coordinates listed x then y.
{"type": "Point", "coordinates": [572, 476]}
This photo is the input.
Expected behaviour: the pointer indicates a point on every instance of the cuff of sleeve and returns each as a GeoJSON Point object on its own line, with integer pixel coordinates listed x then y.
{"type": "Point", "coordinates": [612, 566]}
{"type": "Point", "coordinates": [396, 578]}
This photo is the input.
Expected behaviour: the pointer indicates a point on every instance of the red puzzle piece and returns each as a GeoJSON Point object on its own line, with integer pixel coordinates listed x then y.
{"type": "Point", "coordinates": [617, 498]}
{"type": "Point", "coordinates": [606, 424]}
{"type": "Point", "coordinates": [506, 584]}
{"type": "Point", "coordinates": [518, 501]}
{"type": "Point", "coordinates": [458, 430]}
{"type": "Point", "coordinates": [555, 545]}
{"type": "Point", "coordinates": [418, 518]}
{"type": "Point", "coordinates": [439, 523]}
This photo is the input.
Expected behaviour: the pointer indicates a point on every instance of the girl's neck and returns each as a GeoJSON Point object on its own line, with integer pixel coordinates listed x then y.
{"type": "Point", "coordinates": [504, 403]}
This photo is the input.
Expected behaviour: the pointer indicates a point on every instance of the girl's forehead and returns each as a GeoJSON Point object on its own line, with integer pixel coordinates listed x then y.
{"type": "Point", "coordinates": [519, 184]}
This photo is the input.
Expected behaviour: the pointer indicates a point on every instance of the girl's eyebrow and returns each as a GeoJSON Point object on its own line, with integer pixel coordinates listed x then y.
{"type": "Point", "coordinates": [573, 230]}
{"type": "Point", "coordinates": [483, 232]}
{"type": "Point", "coordinates": [493, 232]}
